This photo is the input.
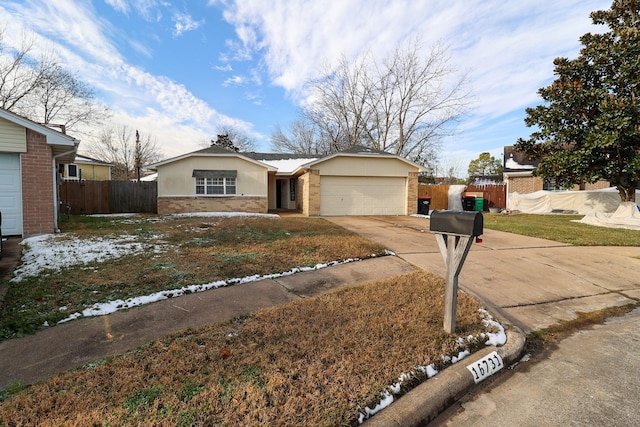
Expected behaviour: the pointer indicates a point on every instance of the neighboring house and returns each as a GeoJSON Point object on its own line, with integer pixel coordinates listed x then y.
{"type": "Point", "coordinates": [30, 155]}
{"type": "Point", "coordinates": [525, 191]}
{"type": "Point", "coordinates": [518, 175]}
{"type": "Point", "coordinates": [358, 181]}
{"type": "Point", "coordinates": [84, 167]}
{"type": "Point", "coordinates": [152, 177]}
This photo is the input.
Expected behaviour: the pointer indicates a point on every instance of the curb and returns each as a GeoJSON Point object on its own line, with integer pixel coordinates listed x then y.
{"type": "Point", "coordinates": [425, 402]}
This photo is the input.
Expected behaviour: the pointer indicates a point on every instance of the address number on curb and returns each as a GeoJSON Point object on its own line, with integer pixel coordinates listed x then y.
{"type": "Point", "coordinates": [485, 367]}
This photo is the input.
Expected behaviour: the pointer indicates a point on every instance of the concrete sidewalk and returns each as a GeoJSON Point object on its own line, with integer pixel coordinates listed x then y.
{"type": "Point", "coordinates": [70, 345]}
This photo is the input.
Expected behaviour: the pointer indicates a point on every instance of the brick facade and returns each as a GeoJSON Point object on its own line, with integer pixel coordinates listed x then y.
{"type": "Point", "coordinates": [37, 186]}
{"type": "Point", "coordinates": [600, 185]}
{"type": "Point", "coordinates": [251, 204]}
{"type": "Point", "coordinates": [309, 193]}
{"type": "Point", "coordinates": [525, 184]}
{"type": "Point", "coordinates": [412, 193]}
{"type": "Point", "coordinates": [531, 184]}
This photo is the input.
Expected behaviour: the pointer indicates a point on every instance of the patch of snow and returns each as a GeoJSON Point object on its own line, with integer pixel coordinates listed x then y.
{"type": "Point", "coordinates": [460, 356]}
{"type": "Point", "coordinates": [387, 399]}
{"type": "Point", "coordinates": [57, 251]}
{"type": "Point", "coordinates": [387, 396]}
{"type": "Point", "coordinates": [512, 164]}
{"type": "Point", "coordinates": [101, 309]}
{"type": "Point", "coordinates": [114, 215]}
{"type": "Point", "coordinates": [420, 216]}
{"type": "Point", "coordinates": [222, 215]}
{"type": "Point", "coordinates": [496, 339]}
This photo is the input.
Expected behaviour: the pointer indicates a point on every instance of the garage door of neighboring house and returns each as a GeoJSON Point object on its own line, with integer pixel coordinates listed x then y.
{"type": "Point", "coordinates": [10, 194]}
{"type": "Point", "coordinates": [341, 195]}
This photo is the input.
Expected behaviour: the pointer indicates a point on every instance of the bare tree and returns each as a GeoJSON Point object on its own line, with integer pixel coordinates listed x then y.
{"type": "Point", "coordinates": [341, 104]}
{"type": "Point", "coordinates": [125, 150]}
{"type": "Point", "coordinates": [42, 90]}
{"type": "Point", "coordinates": [302, 138]}
{"type": "Point", "coordinates": [416, 103]}
{"type": "Point", "coordinates": [62, 98]}
{"type": "Point", "coordinates": [20, 74]}
{"type": "Point", "coordinates": [403, 104]}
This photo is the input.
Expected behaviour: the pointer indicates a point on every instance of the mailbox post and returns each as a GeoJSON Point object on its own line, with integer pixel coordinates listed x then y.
{"type": "Point", "coordinates": [455, 232]}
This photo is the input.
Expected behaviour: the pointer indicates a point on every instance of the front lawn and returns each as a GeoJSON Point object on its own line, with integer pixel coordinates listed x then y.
{"type": "Point", "coordinates": [560, 228]}
{"type": "Point", "coordinates": [102, 259]}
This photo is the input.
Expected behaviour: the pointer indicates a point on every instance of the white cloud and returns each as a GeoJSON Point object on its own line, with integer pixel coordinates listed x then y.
{"type": "Point", "coordinates": [119, 5]}
{"type": "Point", "coordinates": [149, 9]}
{"type": "Point", "coordinates": [226, 67]}
{"type": "Point", "coordinates": [183, 23]}
{"type": "Point", "coordinates": [507, 48]}
{"type": "Point", "coordinates": [141, 48]}
{"type": "Point", "coordinates": [235, 81]}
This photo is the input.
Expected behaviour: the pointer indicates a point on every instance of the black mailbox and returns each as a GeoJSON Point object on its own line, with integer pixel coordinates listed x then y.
{"type": "Point", "coordinates": [454, 222]}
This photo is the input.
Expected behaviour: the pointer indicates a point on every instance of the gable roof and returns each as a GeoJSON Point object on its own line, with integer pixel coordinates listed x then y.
{"type": "Point", "coordinates": [61, 144]}
{"type": "Point", "coordinates": [80, 158]}
{"type": "Point", "coordinates": [284, 163]}
{"type": "Point", "coordinates": [360, 151]}
{"type": "Point", "coordinates": [211, 151]}
{"type": "Point", "coordinates": [288, 163]}
{"type": "Point", "coordinates": [518, 161]}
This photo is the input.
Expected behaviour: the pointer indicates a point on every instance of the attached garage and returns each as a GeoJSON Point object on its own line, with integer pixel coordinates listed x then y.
{"type": "Point", "coordinates": [360, 181]}
{"type": "Point", "coordinates": [10, 194]}
{"type": "Point", "coordinates": [29, 157]}
{"type": "Point", "coordinates": [345, 195]}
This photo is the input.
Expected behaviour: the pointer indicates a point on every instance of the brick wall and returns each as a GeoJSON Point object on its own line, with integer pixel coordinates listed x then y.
{"type": "Point", "coordinates": [302, 189]}
{"type": "Point", "coordinates": [313, 193]}
{"type": "Point", "coordinates": [37, 186]}
{"type": "Point", "coordinates": [525, 185]}
{"type": "Point", "coordinates": [254, 204]}
{"type": "Point", "coordinates": [412, 193]}
{"type": "Point", "coordinates": [600, 185]}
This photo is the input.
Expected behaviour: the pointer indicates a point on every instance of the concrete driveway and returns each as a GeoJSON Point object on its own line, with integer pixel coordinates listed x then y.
{"type": "Point", "coordinates": [533, 283]}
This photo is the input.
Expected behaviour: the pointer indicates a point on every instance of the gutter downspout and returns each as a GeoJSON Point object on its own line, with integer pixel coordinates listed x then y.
{"type": "Point", "coordinates": [56, 202]}
{"type": "Point", "coordinates": [508, 201]}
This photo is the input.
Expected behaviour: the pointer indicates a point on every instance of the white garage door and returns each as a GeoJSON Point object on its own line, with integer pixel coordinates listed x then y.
{"type": "Point", "coordinates": [362, 195]}
{"type": "Point", "coordinates": [10, 194]}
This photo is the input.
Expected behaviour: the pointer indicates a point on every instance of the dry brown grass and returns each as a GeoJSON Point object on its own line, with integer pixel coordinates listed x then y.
{"type": "Point", "coordinates": [317, 361]}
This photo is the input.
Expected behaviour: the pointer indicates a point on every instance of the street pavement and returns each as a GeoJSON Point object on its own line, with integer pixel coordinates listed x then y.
{"type": "Point", "coordinates": [592, 379]}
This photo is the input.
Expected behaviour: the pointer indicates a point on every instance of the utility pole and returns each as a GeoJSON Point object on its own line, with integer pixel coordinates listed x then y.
{"type": "Point", "coordinates": [138, 159]}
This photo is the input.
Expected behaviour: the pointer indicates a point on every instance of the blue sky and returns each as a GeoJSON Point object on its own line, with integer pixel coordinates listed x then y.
{"type": "Point", "coordinates": [180, 69]}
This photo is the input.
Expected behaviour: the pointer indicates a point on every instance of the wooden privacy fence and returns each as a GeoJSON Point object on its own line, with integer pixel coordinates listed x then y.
{"type": "Point", "coordinates": [91, 197]}
{"type": "Point", "coordinates": [495, 195]}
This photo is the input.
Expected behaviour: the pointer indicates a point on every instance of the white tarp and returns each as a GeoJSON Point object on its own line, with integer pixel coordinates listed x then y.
{"type": "Point", "coordinates": [583, 202]}
{"type": "Point", "coordinates": [455, 197]}
{"type": "Point", "coordinates": [626, 216]}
